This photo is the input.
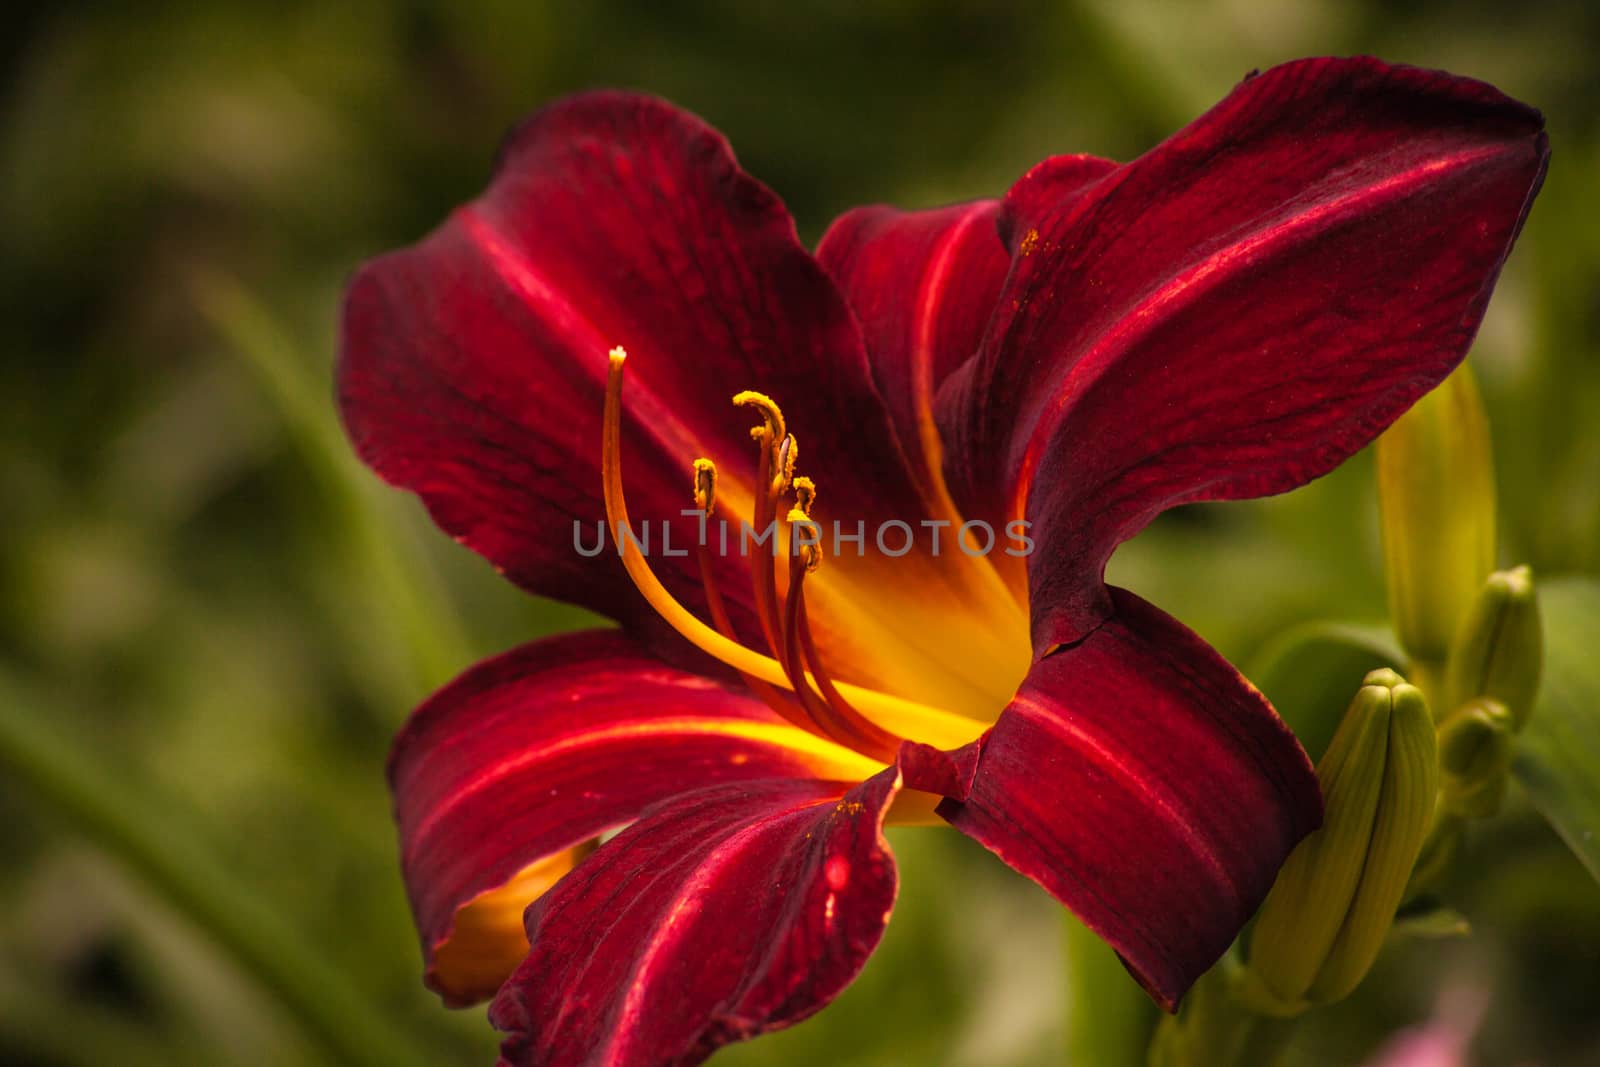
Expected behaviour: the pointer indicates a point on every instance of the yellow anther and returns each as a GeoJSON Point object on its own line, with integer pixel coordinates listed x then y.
{"type": "Point", "coordinates": [810, 550]}
{"type": "Point", "coordinates": [773, 435]}
{"type": "Point", "coordinates": [776, 428]}
{"type": "Point", "coordinates": [705, 485]}
{"type": "Point", "coordinates": [943, 728]}
{"type": "Point", "coordinates": [788, 456]}
{"type": "Point", "coordinates": [805, 494]}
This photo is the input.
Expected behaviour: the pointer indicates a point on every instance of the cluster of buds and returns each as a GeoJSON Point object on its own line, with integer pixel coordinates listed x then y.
{"type": "Point", "coordinates": [1398, 781]}
{"type": "Point", "coordinates": [1490, 687]}
{"type": "Point", "coordinates": [1475, 643]}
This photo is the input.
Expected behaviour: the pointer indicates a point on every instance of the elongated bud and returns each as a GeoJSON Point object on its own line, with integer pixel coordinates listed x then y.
{"type": "Point", "coordinates": [1476, 744]}
{"type": "Point", "coordinates": [1334, 901]}
{"type": "Point", "coordinates": [1436, 491]}
{"type": "Point", "coordinates": [1499, 650]}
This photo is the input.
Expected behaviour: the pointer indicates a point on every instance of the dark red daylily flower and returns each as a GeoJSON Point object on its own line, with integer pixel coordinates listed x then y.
{"type": "Point", "coordinates": [1230, 315]}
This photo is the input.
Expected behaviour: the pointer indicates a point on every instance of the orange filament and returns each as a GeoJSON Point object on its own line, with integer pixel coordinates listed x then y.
{"type": "Point", "coordinates": [775, 468]}
{"type": "Point", "coordinates": [838, 717]}
{"type": "Point", "coordinates": [705, 498]}
{"type": "Point", "coordinates": [763, 568]}
{"type": "Point", "coordinates": [840, 711]}
{"type": "Point", "coordinates": [832, 713]}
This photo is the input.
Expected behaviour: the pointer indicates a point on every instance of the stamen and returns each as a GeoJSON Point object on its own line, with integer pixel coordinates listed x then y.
{"type": "Point", "coordinates": [833, 712]}
{"type": "Point", "coordinates": [697, 633]}
{"type": "Point", "coordinates": [817, 707]}
{"type": "Point", "coordinates": [811, 551]}
{"type": "Point", "coordinates": [775, 471]}
{"type": "Point", "coordinates": [716, 644]}
{"type": "Point", "coordinates": [763, 569]}
{"type": "Point", "coordinates": [705, 499]}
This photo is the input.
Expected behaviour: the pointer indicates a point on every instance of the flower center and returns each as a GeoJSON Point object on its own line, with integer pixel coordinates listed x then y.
{"type": "Point", "coordinates": [792, 679]}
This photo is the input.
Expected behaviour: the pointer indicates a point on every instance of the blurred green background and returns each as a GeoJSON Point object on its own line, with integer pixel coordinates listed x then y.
{"type": "Point", "coordinates": [211, 621]}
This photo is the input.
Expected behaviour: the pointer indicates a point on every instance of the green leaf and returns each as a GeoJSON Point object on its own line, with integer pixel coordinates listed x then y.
{"type": "Point", "coordinates": [1311, 671]}
{"type": "Point", "coordinates": [1558, 753]}
{"type": "Point", "coordinates": [157, 843]}
{"type": "Point", "coordinates": [413, 600]}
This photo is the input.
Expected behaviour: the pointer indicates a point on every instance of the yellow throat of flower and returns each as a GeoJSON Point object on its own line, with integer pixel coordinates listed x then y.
{"type": "Point", "coordinates": [792, 679]}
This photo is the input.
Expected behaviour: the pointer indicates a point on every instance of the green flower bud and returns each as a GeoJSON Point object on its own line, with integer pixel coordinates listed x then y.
{"type": "Point", "coordinates": [1437, 496]}
{"type": "Point", "coordinates": [1498, 652]}
{"type": "Point", "coordinates": [1335, 899]}
{"type": "Point", "coordinates": [1476, 744]}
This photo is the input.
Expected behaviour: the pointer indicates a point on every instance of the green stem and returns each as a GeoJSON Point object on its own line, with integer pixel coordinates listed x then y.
{"type": "Point", "coordinates": [1109, 1019]}
{"type": "Point", "coordinates": [158, 848]}
{"type": "Point", "coordinates": [1263, 1041]}
{"type": "Point", "coordinates": [1215, 1029]}
{"type": "Point", "coordinates": [1429, 676]}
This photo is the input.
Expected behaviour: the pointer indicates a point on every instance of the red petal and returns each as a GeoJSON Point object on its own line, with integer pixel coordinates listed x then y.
{"type": "Point", "coordinates": [1236, 312]}
{"type": "Point", "coordinates": [1145, 784]}
{"type": "Point", "coordinates": [721, 914]}
{"type": "Point", "coordinates": [472, 364]}
{"type": "Point", "coordinates": [1049, 186]}
{"type": "Point", "coordinates": [922, 285]}
{"type": "Point", "coordinates": [544, 747]}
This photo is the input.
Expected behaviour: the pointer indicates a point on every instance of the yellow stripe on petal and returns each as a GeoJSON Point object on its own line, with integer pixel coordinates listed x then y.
{"type": "Point", "coordinates": [824, 759]}
{"type": "Point", "coordinates": [487, 941]}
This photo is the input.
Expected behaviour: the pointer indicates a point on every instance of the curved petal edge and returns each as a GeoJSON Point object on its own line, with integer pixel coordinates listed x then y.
{"type": "Point", "coordinates": [721, 914]}
{"type": "Point", "coordinates": [503, 778]}
{"type": "Point", "coordinates": [1150, 788]}
{"type": "Point", "coordinates": [1236, 312]}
